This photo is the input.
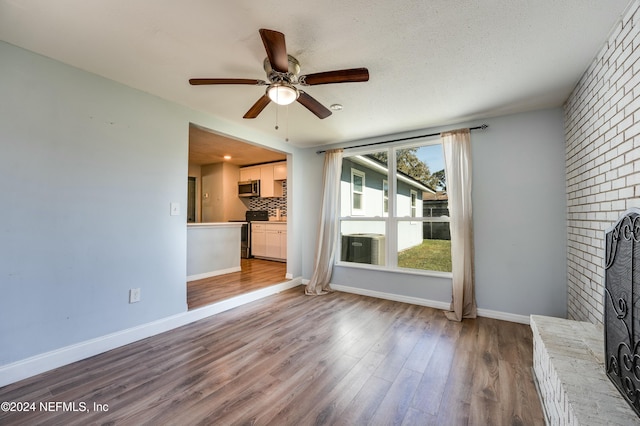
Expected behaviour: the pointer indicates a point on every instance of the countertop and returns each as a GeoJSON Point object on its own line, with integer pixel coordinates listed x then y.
{"type": "Point", "coordinates": [215, 225]}
{"type": "Point", "coordinates": [272, 222]}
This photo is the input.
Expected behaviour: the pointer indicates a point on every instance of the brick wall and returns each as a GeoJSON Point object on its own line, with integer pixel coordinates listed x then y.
{"type": "Point", "coordinates": [602, 124]}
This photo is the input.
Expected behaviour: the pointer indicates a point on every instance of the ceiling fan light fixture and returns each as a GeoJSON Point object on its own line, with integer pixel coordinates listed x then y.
{"type": "Point", "coordinates": [282, 93]}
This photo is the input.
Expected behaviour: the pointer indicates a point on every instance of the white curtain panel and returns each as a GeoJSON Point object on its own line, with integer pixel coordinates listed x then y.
{"type": "Point", "coordinates": [457, 157]}
{"type": "Point", "coordinates": [329, 223]}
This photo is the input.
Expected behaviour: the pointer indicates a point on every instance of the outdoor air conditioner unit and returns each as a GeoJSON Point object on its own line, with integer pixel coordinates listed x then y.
{"type": "Point", "coordinates": [363, 248]}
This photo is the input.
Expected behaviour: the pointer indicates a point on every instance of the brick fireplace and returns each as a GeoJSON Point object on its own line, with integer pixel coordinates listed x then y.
{"type": "Point", "coordinates": [602, 127]}
{"type": "Point", "coordinates": [569, 367]}
{"type": "Point", "coordinates": [589, 374]}
{"type": "Point", "coordinates": [621, 306]}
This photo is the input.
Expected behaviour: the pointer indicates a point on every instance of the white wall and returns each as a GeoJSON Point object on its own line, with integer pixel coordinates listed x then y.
{"type": "Point", "coordinates": [88, 168]}
{"type": "Point", "coordinates": [410, 233]}
{"type": "Point", "coordinates": [234, 207]}
{"type": "Point", "coordinates": [220, 182]}
{"type": "Point", "coordinates": [519, 219]}
{"type": "Point", "coordinates": [212, 210]}
{"type": "Point", "coordinates": [212, 250]}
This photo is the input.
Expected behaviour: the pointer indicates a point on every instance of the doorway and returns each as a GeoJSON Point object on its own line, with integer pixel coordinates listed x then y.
{"type": "Point", "coordinates": [212, 155]}
{"type": "Point", "coordinates": [191, 199]}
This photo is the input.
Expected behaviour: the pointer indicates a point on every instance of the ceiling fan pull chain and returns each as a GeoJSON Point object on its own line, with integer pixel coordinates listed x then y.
{"type": "Point", "coordinates": [277, 116]}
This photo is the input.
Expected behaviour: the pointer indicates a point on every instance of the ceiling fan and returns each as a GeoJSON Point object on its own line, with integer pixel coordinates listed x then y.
{"type": "Point", "coordinates": [282, 74]}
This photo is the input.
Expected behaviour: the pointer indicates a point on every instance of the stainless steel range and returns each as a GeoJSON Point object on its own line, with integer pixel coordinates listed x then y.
{"type": "Point", "coordinates": [245, 238]}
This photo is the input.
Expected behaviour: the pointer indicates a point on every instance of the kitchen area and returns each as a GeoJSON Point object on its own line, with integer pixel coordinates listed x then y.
{"type": "Point", "coordinates": [236, 216]}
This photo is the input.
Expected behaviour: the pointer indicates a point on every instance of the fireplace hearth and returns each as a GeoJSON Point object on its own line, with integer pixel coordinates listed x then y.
{"type": "Point", "coordinates": [622, 306]}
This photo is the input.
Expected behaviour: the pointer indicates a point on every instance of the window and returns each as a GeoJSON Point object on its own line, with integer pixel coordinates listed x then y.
{"type": "Point", "coordinates": [407, 228]}
{"type": "Point", "coordinates": [357, 192]}
{"type": "Point", "coordinates": [414, 203]}
{"type": "Point", "coordinates": [385, 197]}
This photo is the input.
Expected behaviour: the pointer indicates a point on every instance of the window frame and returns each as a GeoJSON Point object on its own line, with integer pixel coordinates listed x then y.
{"type": "Point", "coordinates": [362, 175]}
{"type": "Point", "coordinates": [413, 203]}
{"type": "Point", "coordinates": [390, 218]}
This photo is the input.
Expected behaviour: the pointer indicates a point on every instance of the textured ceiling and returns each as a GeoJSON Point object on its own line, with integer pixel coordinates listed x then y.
{"type": "Point", "coordinates": [207, 147]}
{"type": "Point", "coordinates": [431, 63]}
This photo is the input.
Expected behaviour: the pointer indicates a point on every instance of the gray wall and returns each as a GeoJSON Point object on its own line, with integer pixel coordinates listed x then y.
{"type": "Point", "coordinates": [87, 172]}
{"type": "Point", "coordinates": [518, 164]}
{"type": "Point", "coordinates": [521, 249]}
{"type": "Point", "coordinates": [88, 168]}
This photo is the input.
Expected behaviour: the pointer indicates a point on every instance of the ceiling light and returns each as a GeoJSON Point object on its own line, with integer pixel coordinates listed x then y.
{"type": "Point", "coordinates": [227, 157]}
{"type": "Point", "coordinates": [282, 93]}
{"type": "Point", "coordinates": [336, 107]}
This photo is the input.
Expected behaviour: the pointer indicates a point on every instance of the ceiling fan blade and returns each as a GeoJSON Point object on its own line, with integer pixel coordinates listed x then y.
{"type": "Point", "coordinates": [352, 75]}
{"type": "Point", "coordinates": [257, 107]}
{"type": "Point", "coordinates": [201, 81]}
{"type": "Point", "coordinates": [314, 106]}
{"type": "Point", "coordinates": [276, 49]}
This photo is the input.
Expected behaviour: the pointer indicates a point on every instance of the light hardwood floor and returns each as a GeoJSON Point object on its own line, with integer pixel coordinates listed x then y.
{"type": "Point", "coordinates": [255, 274]}
{"type": "Point", "coordinates": [291, 359]}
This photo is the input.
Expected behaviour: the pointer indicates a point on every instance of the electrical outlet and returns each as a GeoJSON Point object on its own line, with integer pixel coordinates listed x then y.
{"type": "Point", "coordinates": [134, 295]}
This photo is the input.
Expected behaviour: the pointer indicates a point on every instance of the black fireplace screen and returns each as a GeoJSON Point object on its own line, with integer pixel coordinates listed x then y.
{"type": "Point", "coordinates": [621, 306]}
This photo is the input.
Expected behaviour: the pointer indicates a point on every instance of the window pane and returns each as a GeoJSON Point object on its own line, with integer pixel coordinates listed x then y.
{"type": "Point", "coordinates": [418, 178]}
{"type": "Point", "coordinates": [424, 245]}
{"type": "Point", "coordinates": [357, 201]}
{"type": "Point", "coordinates": [357, 183]}
{"type": "Point", "coordinates": [363, 242]}
{"type": "Point", "coordinates": [414, 203]}
{"type": "Point", "coordinates": [436, 208]}
{"type": "Point", "coordinates": [362, 184]}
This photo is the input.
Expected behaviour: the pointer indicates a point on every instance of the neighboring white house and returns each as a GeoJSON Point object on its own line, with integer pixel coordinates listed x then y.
{"type": "Point", "coordinates": [364, 192]}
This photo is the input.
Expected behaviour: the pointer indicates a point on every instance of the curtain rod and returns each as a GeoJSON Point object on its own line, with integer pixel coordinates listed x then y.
{"type": "Point", "coordinates": [484, 126]}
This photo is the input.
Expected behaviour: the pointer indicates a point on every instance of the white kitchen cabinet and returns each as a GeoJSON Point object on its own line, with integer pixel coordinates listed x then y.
{"type": "Point", "coordinates": [283, 244]}
{"type": "Point", "coordinates": [276, 240]}
{"type": "Point", "coordinates": [258, 240]}
{"type": "Point", "coordinates": [266, 182]}
{"type": "Point", "coordinates": [280, 171]}
{"type": "Point", "coordinates": [269, 240]}
{"type": "Point", "coordinates": [249, 173]}
{"type": "Point", "coordinates": [271, 178]}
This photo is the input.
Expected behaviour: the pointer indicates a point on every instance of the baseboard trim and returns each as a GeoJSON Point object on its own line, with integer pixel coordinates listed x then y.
{"type": "Point", "coordinates": [213, 273]}
{"type": "Point", "coordinates": [487, 313]}
{"type": "Point", "coordinates": [23, 369]}
{"type": "Point", "coordinates": [504, 316]}
{"type": "Point", "coordinates": [391, 296]}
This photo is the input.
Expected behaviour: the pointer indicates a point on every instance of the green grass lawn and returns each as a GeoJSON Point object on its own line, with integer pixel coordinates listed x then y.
{"type": "Point", "coordinates": [432, 255]}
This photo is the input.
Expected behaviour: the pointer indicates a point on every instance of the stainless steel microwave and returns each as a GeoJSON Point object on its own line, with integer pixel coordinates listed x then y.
{"type": "Point", "coordinates": [249, 188]}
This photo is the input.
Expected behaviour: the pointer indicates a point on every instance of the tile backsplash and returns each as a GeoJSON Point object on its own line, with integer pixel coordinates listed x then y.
{"type": "Point", "coordinates": [271, 204]}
